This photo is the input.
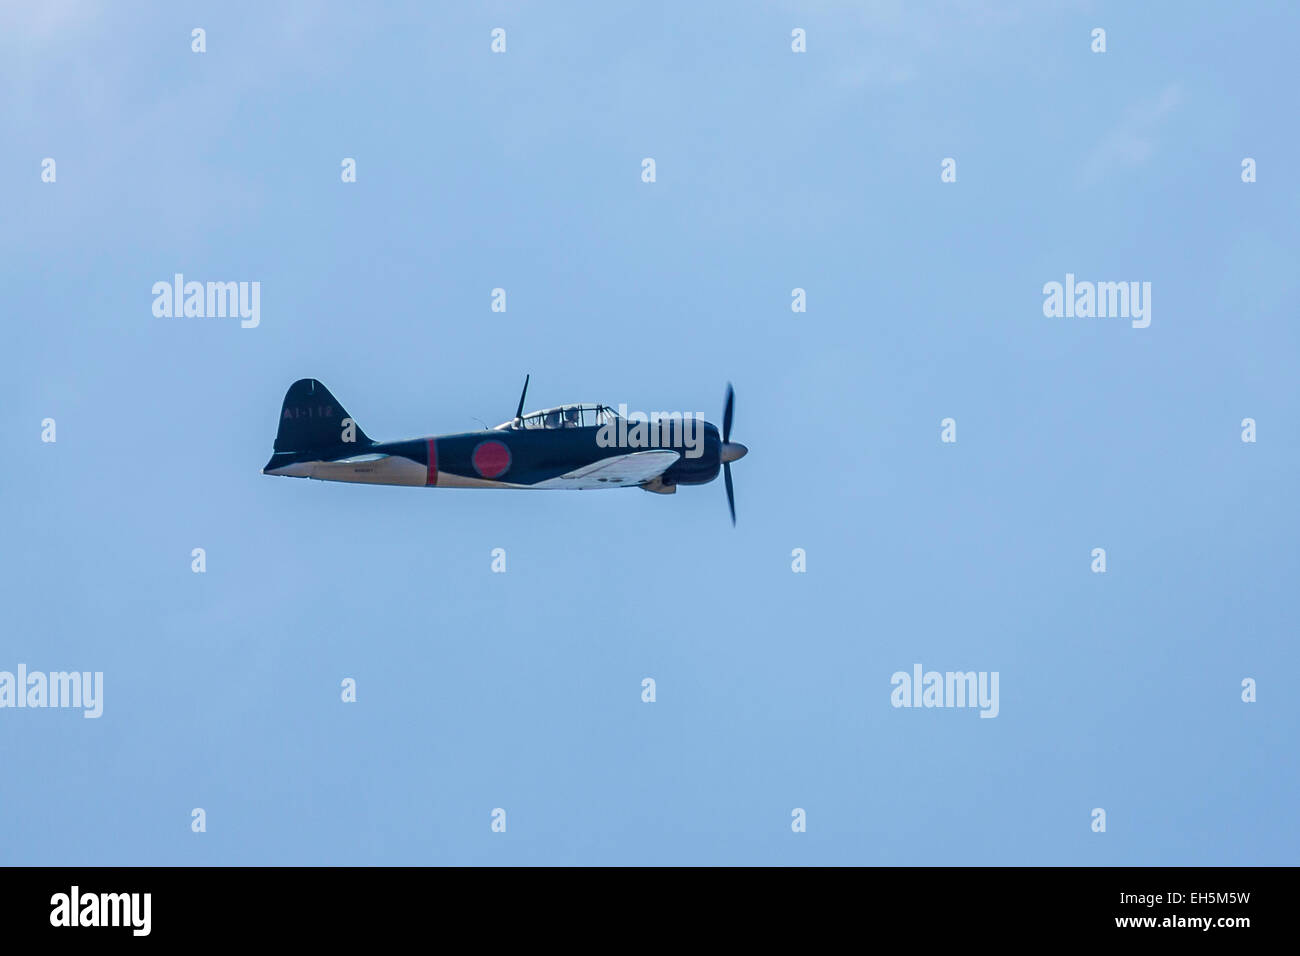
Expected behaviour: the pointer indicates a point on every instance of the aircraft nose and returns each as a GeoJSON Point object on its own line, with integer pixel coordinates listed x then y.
{"type": "Point", "coordinates": [733, 451]}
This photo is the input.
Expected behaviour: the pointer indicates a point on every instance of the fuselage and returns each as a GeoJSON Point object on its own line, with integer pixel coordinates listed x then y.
{"type": "Point", "coordinates": [569, 446]}
{"type": "Point", "coordinates": [508, 457]}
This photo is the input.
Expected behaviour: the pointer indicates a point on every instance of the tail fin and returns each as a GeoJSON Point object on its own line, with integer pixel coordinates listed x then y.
{"type": "Point", "coordinates": [312, 420]}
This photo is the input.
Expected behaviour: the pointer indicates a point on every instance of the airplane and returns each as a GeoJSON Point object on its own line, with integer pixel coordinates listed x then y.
{"type": "Point", "coordinates": [560, 447]}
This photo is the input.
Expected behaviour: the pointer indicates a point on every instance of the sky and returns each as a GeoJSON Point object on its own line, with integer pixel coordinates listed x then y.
{"type": "Point", "coordinates": [774, 170]}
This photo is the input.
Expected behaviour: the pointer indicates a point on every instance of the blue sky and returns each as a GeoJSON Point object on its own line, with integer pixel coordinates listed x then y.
{"type": "Point", "coordinates": [775, 170]}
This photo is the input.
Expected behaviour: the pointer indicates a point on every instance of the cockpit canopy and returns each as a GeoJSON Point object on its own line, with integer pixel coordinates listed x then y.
{"type": "Point", "coordinates": [565, 416]}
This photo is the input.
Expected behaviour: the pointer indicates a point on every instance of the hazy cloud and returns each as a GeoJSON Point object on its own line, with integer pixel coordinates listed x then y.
{"type": "Point", "coordinates": [1133, 141]}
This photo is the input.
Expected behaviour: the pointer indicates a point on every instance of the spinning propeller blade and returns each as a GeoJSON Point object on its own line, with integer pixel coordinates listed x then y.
{"type": "Point", "coordinates": [731, 451]}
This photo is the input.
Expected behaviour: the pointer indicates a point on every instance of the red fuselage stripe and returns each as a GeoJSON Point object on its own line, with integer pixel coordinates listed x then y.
{"type": "Point", "coordinates": [432, 478]}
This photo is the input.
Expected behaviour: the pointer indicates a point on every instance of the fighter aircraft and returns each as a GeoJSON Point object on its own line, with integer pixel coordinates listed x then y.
{"type": "Point", "coordinates": [569, 446]}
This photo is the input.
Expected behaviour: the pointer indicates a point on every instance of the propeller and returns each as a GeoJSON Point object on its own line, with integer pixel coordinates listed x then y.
{"type": "Point", "coordinates": [731, 451]}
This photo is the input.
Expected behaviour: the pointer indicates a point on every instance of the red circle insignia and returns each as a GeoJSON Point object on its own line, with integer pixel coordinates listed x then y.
{"type": "Point", "coordinates": [491, 459]}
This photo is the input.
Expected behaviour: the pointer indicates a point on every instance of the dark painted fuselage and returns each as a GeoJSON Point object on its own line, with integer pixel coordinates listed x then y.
{"type": "Point", "coordinates": [500, 458]}
{"type": "Point", "coordinates": [555, 448]}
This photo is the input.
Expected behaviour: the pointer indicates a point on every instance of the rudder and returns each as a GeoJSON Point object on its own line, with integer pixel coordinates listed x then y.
{"type": "Point", "coordinates": [311, 419]}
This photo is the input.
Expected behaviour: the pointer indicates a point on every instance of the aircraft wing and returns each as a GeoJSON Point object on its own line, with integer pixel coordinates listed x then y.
{"type": "Point", "coordinates": [617, 471]}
